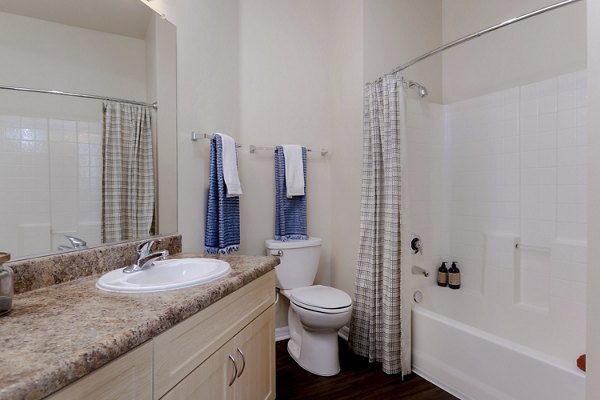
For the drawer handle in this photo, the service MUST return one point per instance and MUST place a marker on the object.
(244, 363)
(235, 374)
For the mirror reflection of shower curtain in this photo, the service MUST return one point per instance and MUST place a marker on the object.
(127, 172)
(380, 327)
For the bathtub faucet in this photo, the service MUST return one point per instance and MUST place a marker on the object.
(76, 243)
(416, 270)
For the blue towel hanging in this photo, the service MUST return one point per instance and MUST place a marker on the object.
(290, 214)
(222, 234)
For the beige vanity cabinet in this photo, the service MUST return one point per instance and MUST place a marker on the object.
(129, 377)
(225, 325)
(242, 369)
(256, 379)
(225, 351)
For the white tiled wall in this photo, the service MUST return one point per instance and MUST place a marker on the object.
(424, 174)
(516, 168)
(482, 177)
(48, 169)
(24, 182)
(89, 145)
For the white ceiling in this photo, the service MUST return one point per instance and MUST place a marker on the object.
(121, 17)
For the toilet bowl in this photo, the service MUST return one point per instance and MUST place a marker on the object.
(320, 312)
(316, 313)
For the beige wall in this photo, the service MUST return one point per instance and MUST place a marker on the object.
(529, 51)
(346, 72)
(372, 38)
(161, 64)
(310, 92)
(285, 97)
(208, 95)
(593, 294)
(398, 31)
(269, 72)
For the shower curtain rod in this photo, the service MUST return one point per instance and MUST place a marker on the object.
(85, 96)
(483, 32)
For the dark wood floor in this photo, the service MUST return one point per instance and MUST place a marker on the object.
(358, 380)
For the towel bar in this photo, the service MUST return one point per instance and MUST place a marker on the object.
(253, 149)
(198, 135)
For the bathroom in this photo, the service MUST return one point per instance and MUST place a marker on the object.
(270, 72)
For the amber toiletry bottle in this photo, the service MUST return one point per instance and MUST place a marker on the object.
(442, 277)
(454, 276)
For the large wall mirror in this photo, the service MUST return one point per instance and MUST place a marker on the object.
(101, 170)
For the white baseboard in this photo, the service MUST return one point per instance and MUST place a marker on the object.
(282, 333)
(344, 332)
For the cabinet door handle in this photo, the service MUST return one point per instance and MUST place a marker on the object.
(244, 363)
(235, 373)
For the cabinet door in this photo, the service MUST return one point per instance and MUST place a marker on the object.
(181, 349)
(256, 379)
(209, 381)
(252, 350)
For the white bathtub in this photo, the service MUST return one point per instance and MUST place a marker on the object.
(474, 364)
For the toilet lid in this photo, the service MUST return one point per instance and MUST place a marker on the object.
(324, 297)
(292, 244)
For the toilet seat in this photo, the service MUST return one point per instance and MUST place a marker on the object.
(323, 310)
(322, 299)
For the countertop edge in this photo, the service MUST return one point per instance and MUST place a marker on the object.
(107, 349)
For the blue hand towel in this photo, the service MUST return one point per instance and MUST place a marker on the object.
(223, 215)
(290, 213)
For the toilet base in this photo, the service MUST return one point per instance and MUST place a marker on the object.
(313, 340)
(318, 353)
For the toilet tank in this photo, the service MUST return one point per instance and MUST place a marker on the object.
(299, 261)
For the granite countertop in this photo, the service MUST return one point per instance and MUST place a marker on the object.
(58, 334)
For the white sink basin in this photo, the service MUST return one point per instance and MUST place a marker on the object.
(164, 275)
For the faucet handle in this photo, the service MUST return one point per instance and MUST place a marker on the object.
(145, 248)
(76, 242)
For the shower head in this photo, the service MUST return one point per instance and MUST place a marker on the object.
(422, 90)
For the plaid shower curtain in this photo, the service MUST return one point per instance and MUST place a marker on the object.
(127, 172)
(380, 325)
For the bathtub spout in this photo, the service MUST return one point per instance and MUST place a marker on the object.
(416, 270)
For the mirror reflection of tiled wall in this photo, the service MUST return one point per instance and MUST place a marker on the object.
(49, 168)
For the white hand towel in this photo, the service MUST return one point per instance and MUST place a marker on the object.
(294, 170)
(230, 171)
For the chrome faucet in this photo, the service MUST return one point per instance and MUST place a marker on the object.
(146, 257)
(76, 243)
(416, 270)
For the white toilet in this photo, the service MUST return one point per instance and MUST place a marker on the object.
(316, 312)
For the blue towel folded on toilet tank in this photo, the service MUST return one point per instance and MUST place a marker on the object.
(290, 213)
(222, 234)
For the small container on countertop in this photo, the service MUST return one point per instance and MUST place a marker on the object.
(6, 284)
